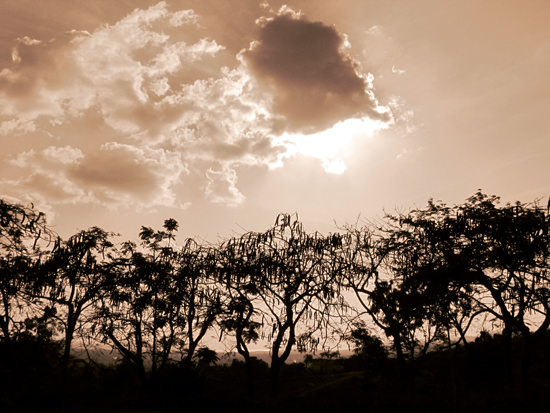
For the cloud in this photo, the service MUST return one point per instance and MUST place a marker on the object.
(396, 70)
(120, 69)
(157, 106)
(47, 177)
(404, 119)
(409, 152)
(17, 126)
(35, 64)
(221, 187)
(117, 175)
(375, 31)
(43, 160)
(135, 75)
(132, 63)
(315, 83)
(226, 120)
(124, 173)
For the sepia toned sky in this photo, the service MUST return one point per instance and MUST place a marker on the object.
(222, 114)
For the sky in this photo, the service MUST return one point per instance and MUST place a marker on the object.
(223, 114)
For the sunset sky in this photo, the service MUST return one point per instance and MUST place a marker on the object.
(222, 114)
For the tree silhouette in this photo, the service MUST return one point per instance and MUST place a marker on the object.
(206, 356)
(237, 266)
(139, 308)
(440, 278)
(162, 299)
(73, 277)
(392, 275)
(506, 248)
(480, 258)
(368, 349)
(198, 294)
(22, 229)
(296, 278)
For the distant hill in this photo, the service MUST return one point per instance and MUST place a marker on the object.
(103, 354)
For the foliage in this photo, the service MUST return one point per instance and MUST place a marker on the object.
(22, 230)
(297, 279)
(368, 349)
(136, 313)
(72, 280)
(422, 278)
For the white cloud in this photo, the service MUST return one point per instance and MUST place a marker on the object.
(396, 70)
(375, 31)
(409, 152)
(42, 161)
(334, 166)
(160, 87)
(17, 126)
(27, 41)
(112, 68)
(183, 17)
(404, 123)
(15, 57)
(122, 62)
(221, 187)
(47, 177)
(79, 32)
(130, 72)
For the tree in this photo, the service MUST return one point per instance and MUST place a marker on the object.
(74, 276)
(368, 349)
(206, 356)
(392, 275)
(161, 300)
(295, 276)
(507, 250)
(480, 258)
(237, 267)
(22, 230)
(199, 295)
(139, 308)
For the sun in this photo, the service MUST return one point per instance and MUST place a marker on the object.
(328, 146)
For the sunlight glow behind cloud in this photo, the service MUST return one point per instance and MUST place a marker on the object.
(329, 144)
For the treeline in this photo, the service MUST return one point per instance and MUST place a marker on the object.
(422, 278)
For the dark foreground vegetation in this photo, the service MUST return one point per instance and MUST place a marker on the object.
(423, 281)
(449, 381)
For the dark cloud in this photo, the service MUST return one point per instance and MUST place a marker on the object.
(114, 169)
(116, 175)
(315, 83)
(125, 172)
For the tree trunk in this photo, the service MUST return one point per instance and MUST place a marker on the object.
(66, 357)
(402, 364)
(69, 334)
(274, 377)
(468, 363)
(526, 363)
(243, 351)
(507, 336)
(135, 358)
